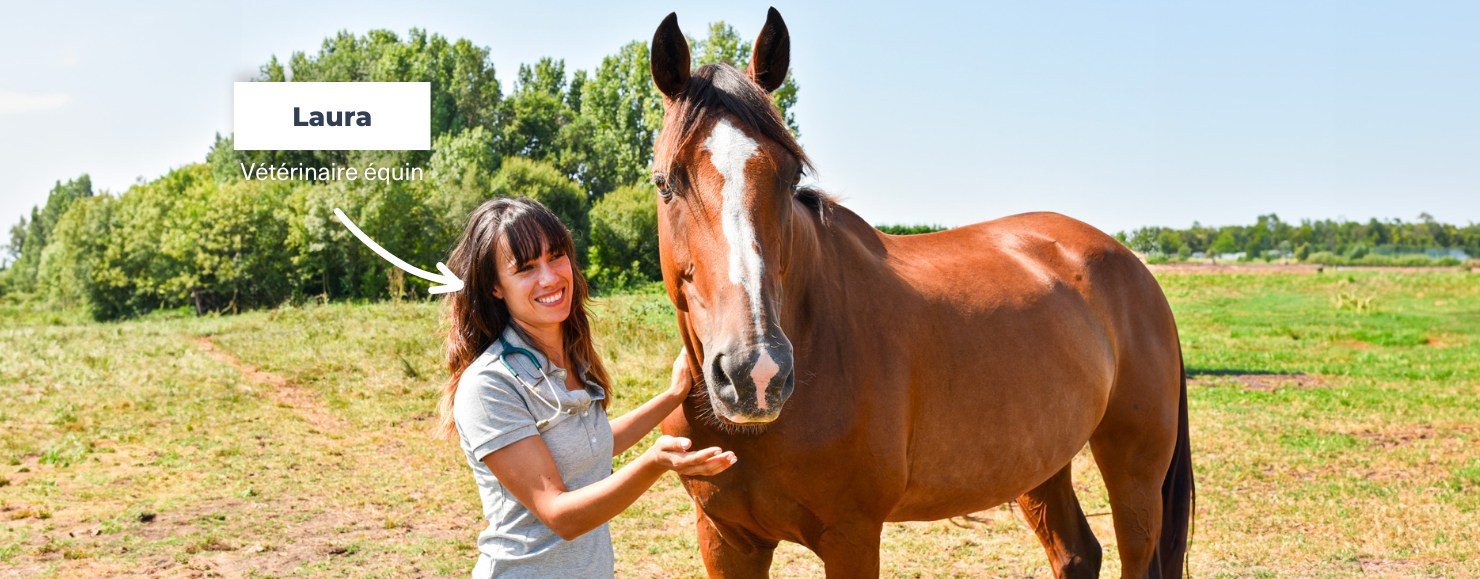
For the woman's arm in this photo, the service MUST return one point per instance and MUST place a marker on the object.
(628, 429)
(529, 472)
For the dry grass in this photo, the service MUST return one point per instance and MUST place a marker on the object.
(1328, 441)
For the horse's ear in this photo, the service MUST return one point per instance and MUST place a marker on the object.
(772, 54)
(670, 58)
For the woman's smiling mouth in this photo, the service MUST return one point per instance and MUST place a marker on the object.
(552, 298)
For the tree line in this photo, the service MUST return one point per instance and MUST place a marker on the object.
(202, 236)
(1329, 242)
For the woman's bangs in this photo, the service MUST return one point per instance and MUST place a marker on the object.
(531, 233)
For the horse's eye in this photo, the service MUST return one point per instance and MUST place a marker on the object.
(661, 181)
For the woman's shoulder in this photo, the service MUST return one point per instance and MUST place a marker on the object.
(489, 407)
(487, 370)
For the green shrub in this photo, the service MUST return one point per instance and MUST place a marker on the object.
(624, 238)
(909, 229)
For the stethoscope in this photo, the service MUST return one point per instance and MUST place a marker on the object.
(504, 357)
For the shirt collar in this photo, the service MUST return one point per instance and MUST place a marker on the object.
(517, 338)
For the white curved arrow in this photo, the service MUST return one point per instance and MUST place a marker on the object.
(450, 282)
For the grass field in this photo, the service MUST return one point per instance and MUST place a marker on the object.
(1335, 433)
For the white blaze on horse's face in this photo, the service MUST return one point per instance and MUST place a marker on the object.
(729, 150)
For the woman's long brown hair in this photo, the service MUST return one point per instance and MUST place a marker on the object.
(476, 318)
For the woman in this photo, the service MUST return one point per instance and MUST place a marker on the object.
(528, 397)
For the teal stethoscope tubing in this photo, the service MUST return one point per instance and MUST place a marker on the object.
(510, 349)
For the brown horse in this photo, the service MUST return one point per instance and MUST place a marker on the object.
(921, 377)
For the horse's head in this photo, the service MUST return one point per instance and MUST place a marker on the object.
(726, 169)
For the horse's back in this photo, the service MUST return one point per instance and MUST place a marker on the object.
(1020, 259)
(1043, 243)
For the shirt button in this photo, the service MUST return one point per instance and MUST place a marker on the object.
(593, 441)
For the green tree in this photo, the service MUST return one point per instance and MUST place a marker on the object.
(465, 91)
(224, 159)
(74, 266)
(460, 177)
(131, 273)
(533, 116)
(1224, 243)
(22, 273)
(225, 246)
(1168, 242)
(319, 247)
(17, 241)
(611, 144)
(546, 76)
(624, 238)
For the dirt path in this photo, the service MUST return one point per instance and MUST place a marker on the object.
(279, 389)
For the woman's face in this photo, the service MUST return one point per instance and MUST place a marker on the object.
(538, 292)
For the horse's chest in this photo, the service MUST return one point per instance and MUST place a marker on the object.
(779, 500)
(768, 508)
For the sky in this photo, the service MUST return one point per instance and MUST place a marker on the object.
(1121, 114)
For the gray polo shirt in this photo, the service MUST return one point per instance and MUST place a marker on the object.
(493, 409)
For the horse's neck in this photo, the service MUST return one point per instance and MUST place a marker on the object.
(834, 260)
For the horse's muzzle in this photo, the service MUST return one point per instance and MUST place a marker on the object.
(748, 385)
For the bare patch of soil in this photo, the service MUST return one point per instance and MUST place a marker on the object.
(235, 550)
(1376, 567)
(1398, 437)
(1261, 382)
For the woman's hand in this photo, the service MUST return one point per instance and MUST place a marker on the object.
(682, 380)
(673, 454)
(527, 469)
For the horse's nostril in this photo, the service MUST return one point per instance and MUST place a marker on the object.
(718, 369)
(789, 384)
(723, 385)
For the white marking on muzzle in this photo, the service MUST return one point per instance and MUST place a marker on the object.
(729, 150)
(765, 369)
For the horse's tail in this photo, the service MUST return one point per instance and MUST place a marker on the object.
(1178, 496)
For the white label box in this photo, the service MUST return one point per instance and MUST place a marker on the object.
(332, 116)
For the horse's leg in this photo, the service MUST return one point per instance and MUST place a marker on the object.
(732, 557)
(1053, 512)
(1133, 448)
(849, 550)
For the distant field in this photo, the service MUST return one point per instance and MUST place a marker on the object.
(1335, 431)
